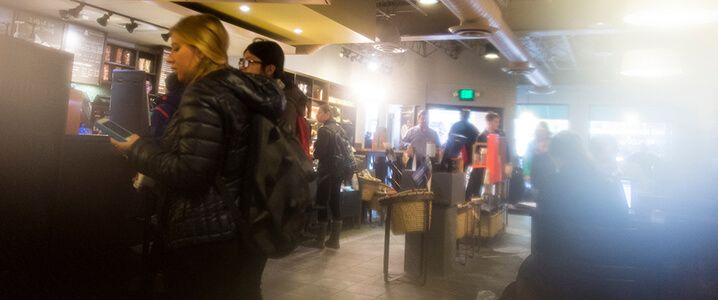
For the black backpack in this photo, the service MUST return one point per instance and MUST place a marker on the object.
(344, 162)
(278, 188)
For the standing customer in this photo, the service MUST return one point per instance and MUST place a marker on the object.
(266, 58)
(468, 130)
(325, 150)
(163, 112)
(419, 138)
(476, 179)
(539, 164)
(200, 161)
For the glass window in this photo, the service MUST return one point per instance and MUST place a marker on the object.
(441, 120)
(528, 116)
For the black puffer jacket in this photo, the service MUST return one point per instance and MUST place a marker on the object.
(203, 153)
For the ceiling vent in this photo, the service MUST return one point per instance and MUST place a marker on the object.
(518, 68)
(479, 28)
(388, 38)
(542, 90)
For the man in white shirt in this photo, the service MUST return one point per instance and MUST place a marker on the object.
(421, 139)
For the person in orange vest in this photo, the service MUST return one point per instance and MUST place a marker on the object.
(476, 179)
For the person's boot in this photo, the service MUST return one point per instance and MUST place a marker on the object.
(321, 236)
(333, 241)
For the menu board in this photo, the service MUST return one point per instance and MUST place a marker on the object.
(5, 21)
(165, 71)
(38, 29)
(87, 45)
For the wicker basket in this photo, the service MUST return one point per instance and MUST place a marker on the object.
(463, 221)
(368, 186)
(492, 223)
(408, 210)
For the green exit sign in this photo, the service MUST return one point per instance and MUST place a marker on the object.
(466, 95)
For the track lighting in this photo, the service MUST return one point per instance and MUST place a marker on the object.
(66, 14)
(131, 26)
(75, 12)
(103, 20)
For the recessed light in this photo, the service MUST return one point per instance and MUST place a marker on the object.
(491, 56)
(298, 30)
(428, 2)
(244, 8)
(668, 18)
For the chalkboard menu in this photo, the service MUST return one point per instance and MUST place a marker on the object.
(5, 21)
(165, 71)
(38, 29)
(87, 45)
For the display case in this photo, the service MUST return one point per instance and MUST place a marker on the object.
(119, 57)
(320, 92)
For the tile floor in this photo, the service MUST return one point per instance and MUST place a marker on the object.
(355, 271)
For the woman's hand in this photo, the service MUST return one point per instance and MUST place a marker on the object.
(125, 146)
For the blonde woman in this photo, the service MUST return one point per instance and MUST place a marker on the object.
(199, 160)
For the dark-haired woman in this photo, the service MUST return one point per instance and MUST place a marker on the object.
(266, 58)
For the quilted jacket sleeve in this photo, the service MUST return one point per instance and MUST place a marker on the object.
(193, 159)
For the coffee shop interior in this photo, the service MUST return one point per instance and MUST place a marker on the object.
(626, 83)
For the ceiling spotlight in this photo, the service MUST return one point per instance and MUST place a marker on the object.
(75, 12)
(131, 26)
(244, 8)
(428, 2)
(490, 53)
(298, 30)
(491, 56)
(165, 36)
(103, 20)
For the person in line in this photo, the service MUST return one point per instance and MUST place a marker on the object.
(419, 138)
(469, 131)
(200, 161)
(266, 58)
(163, 112)
(579, 197)
(476, 178)
(538, 164)
(329, 182)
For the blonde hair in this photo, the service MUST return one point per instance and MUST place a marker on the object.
(206, 34)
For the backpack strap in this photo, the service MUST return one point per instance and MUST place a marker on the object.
(162, 111)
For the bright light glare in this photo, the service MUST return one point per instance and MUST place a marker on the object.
(632, 119)
(428, 2)
(650, 63)
(527, 115)
(373, 66)
(491, 56)
(244, 8)
(298, 30)
(674, 17)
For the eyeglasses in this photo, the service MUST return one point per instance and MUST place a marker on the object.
(245, 62)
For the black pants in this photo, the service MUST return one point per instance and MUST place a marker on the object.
(328, 197)
(223, 270)
(476, 180)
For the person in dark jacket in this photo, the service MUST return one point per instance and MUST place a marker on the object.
(539, 165)
(162, 113)
(576, 202)
(266, 58)
(200, 161)
(468, 130)
(329, 182)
